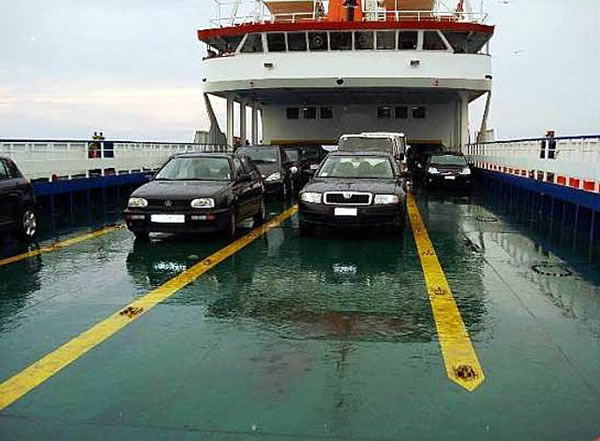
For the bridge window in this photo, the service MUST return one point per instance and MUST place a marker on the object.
(433, 42)
(309, 112)
(292, 113)
(252, 44)
(418, 112)
(297, 41)
(364, 40)
(407, 40)
(466, 42)
(276, 42)
(318, 41)
(384, 112)
(401, 112)
(326, 112)
(341, 41)
(386, 40)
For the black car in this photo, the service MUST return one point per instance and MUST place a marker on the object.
(354, 189)
(18, 205)
(282, 176)
(447, 170)
(196, 193)
(311, 155)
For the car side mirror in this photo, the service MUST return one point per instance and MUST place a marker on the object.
(244, 177)
(148, 177)
(309, 172)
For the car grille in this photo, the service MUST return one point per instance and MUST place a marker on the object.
(160, 204)
(348, 198)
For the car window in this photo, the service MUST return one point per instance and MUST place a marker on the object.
(448, 160)
(13, 171)
(249, 168)
(196, 169)
(4, 175)
(357, 167)
(237, 167)
(355, 144)
(311, 154)
(293, 154)
(260, 155)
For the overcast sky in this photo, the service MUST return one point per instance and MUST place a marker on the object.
(132, 68)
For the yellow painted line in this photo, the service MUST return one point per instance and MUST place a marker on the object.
(460, 359)
(14, 388)
(59, 245)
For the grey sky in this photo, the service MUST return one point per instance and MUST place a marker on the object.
(133, 67)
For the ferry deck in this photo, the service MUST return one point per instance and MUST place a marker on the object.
(277, 336)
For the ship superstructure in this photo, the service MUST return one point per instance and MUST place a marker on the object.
(314, 70)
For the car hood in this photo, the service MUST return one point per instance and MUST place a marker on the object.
(180, 190)
(268, 169)
(363, 185)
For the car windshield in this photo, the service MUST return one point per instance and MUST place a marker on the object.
(196, 169)
(357, 167)
(260, 155)
(448, 160)
(292, 154)
(365, 144)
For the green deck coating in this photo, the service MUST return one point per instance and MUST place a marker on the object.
(327, 337)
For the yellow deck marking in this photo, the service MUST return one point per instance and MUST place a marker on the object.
(14, 388)
(462, 364)
(59, 245)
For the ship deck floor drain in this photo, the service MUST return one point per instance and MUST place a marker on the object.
(552, 269)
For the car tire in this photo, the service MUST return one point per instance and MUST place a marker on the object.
(141, 236)
(28, 223)
(232, 226)
(306, 229)
(261, 216)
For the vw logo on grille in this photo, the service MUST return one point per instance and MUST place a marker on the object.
(347, 195)
(168, 204)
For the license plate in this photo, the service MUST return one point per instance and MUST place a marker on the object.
(345, 212)
(450, 178)
(168, 218)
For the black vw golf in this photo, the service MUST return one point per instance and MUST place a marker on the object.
(195, 193)
(354, 189)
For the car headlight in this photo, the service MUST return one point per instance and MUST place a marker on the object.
(274, 177)
(466, 171)
(385, 199)
(137, 203)
(311, 197)
(203, 203)
(432, 171)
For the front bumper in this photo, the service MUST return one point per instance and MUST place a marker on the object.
(367, 216)
(196, 221)
(449, 181)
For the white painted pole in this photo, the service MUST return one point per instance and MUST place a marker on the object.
(230, 116)
(243, 129)
(254, 123)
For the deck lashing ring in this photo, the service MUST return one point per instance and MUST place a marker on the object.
(552, 270)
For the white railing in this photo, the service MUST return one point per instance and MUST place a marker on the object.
(235, 13)
(545, 159)
(49, 160)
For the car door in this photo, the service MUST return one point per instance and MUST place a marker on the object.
(256, 185)
(8, 195)
(289, 169)
(242, 189)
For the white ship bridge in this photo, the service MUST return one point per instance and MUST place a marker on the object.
(311, 71)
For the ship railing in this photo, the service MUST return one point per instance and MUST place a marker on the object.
(60, 160)
(572, 161)
(235, 13)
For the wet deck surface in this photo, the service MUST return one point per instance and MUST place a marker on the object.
(327, 337)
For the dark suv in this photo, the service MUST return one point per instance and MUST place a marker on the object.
(18, 206)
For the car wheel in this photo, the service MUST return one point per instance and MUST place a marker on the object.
(306, 229)
(141, 236)
(260, 217)
(232, 227)
(29, 223)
